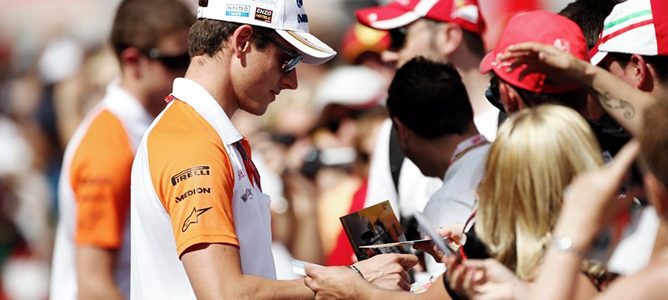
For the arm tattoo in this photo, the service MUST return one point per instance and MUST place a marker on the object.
(618, 104)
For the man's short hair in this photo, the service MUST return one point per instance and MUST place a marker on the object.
(430, 99)
(143, 23)
(589, 15)
(658, 62)
(575, 99)
(474, 43)
(654, 140)
(207, 36)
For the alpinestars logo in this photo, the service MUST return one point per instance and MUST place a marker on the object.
(193, 218)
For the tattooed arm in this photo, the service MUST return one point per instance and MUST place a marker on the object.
(622, 101)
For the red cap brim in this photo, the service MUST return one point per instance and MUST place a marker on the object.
(385, 17)
(486, 63)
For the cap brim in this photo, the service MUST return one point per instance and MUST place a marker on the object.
(315, 51)
(385, 17)
(598, 57)
(486, 64)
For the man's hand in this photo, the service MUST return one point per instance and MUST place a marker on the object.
(493, 281)
(557, 64)
(334, 282)
(388, 271)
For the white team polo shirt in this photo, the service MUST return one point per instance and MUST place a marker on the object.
(192, 185)
(94, 189)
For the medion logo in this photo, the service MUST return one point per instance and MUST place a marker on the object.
(187, 173)
(194, 191)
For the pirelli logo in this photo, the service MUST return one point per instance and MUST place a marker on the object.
(191, 172)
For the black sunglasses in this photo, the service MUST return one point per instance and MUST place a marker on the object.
(289, 64)
(172, 62)
(398, 38)
(492, 93)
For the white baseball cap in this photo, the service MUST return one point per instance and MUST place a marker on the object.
(634, 27)
(287, 17)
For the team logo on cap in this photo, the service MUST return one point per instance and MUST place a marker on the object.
(237, 10)
(263, 15)
(562, 44)
(300, 3)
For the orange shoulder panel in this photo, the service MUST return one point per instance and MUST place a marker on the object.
(100, 179)
(193, 177)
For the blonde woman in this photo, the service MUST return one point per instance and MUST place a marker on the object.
(537, 152)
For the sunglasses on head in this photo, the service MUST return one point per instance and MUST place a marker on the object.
(398, 38)
(289, 64)
(172, 62)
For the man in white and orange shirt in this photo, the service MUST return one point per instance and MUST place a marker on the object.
(91, 258)
(201, 226)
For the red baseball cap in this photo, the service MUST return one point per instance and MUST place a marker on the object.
(359, 39)
(465, 13)
(542, 27)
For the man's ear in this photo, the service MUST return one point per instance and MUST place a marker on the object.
(403, 132)
(241, 39)
(453, 38)
(512, 102)
(637, 67)
(657, 194)
(129, 59)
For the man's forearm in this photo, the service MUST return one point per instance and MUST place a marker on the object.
(276, 289)
(95, 273)
(622, 101)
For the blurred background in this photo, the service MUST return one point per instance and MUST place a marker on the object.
(55, 65)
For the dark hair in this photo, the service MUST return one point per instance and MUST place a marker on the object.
(589, 15)
(207, 36)
(143, 23)
(430, 99)
(576, 99)
(474, 43)
(658, 62)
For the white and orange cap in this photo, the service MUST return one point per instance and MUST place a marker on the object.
(287, 17)
(465, 13)
(634, 27)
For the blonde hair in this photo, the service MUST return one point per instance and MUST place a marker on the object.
(536, 154)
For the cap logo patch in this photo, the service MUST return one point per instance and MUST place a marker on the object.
(237, 10)
(562, 44)
(302, 18)
(263, 15)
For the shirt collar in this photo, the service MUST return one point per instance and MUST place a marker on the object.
(203, 102)
(126, 107)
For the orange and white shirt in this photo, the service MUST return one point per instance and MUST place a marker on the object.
(94, 189)
(193, 182)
